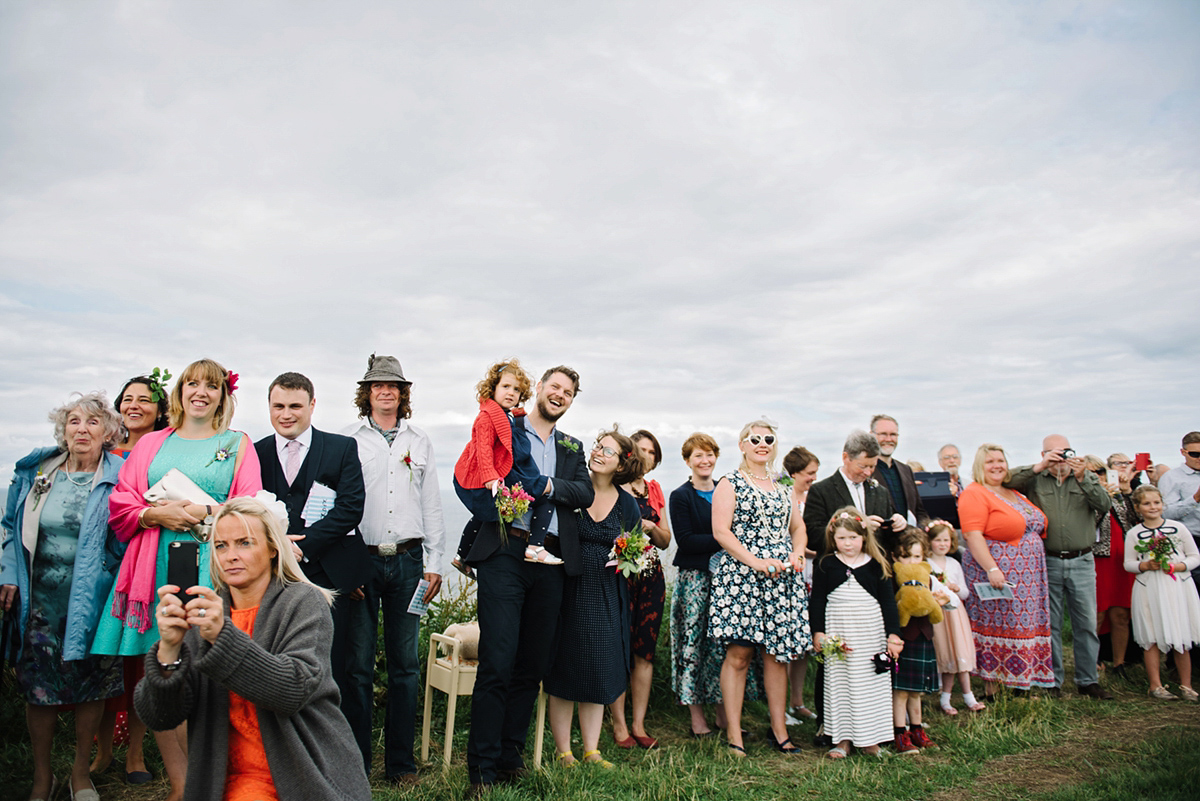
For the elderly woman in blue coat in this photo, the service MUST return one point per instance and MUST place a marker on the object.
(56, 570)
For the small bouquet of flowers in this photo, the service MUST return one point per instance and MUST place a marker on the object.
(511, 504)
(631, 553)
(833, 646)
(1159, 548)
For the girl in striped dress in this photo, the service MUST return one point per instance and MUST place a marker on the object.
(852, 598)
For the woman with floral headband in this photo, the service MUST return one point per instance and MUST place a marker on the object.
(223, 464)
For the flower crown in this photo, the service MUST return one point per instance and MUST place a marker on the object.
(929, 527)
(848, 516)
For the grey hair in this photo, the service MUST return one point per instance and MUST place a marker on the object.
(879, 417)
(93, 404)
(860, 444)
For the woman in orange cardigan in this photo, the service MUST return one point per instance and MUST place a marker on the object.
(1004, 532)
(498, 453)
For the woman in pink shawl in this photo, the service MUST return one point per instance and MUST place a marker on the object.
(220, 462)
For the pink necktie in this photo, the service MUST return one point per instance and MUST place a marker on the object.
(293, 461)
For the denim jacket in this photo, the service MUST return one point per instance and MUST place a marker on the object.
(96, 559)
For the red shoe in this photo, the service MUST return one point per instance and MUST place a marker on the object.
(904, 744)
(919, 738)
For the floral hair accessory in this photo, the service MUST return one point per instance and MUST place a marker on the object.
(848, 516)
(158, 383)
(231, 382)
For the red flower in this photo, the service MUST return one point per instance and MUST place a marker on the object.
(231, 382)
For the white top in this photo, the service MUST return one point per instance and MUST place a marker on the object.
(857, 492)
(403, 499)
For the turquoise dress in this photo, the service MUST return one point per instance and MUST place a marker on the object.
(196, 459)
(43, 676)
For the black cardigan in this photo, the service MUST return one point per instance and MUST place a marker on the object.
(691, 521)
(829, 573)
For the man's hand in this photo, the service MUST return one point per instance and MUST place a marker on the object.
(299, 554)
(898, 522)
(435, 584)
(1077, 467)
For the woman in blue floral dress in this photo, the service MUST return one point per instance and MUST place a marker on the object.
(759, 600)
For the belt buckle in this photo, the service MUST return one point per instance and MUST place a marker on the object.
(388, 549)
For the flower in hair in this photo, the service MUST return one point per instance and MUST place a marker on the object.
(276, 507)
(231, 382)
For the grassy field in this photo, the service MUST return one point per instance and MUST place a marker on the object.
(1069, 749)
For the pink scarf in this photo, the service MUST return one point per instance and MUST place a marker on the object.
(135, 594)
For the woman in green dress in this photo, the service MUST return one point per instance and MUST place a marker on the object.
(54, 571)
(220, 462)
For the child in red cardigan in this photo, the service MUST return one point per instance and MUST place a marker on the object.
(498, 453)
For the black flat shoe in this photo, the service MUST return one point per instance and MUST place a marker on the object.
(786, 747)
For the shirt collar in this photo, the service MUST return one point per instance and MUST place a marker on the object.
(305, 440)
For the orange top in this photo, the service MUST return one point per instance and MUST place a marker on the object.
(980, 509)
(247, 775)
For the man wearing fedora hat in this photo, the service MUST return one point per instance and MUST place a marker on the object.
(403, 529)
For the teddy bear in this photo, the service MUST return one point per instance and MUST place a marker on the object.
(914, 598)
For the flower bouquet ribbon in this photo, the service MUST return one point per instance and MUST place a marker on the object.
(1159, 548)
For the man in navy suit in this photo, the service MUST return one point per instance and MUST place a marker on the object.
(519, 601)
(852, 485)
(330, 550)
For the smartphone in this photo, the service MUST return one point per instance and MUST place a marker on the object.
(183, 564)
(1111, 478)
(1141, 461)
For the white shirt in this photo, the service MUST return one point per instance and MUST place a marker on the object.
(403, 500)
(857, 491)
(305, 440)
(1178, 488)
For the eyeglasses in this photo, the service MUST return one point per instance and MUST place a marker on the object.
(1122, 464)
(755, 439)
(1193, 454)
(604, 450)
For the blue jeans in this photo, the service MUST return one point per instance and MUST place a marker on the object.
(391, 586)
(1074, 581)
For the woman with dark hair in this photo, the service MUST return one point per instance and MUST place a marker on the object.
(591, 666)
(800, 465)
(142, 404)
(221, 463)
(759, 602)
(1114, 586)
(647, 596)
(57, 544)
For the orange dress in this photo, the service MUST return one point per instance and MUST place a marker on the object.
(247, 776)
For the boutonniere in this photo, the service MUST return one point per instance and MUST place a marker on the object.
(408, 462)
(41, 485)
(573, 447)
(873, 484)
(223, 453)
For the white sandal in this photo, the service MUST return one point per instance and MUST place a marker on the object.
(538, 554)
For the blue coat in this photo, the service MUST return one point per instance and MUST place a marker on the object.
(96, 559)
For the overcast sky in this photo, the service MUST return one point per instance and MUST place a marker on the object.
(982, 218)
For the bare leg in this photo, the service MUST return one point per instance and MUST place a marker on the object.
(639, 691)
(1150, 655)
(87, 723)
(104, 741)
(560, 723)
(797, 672)
(914, 709)
(40, 720)
(174, 759)
(620, 726)
(135, 757)
(948, 683)
(733, 689)
(699, 722)
(719, 716)
(591, 720)
(1183, 665)
(1118, 627)
(899, 708)
(964, 681)
(775, 676)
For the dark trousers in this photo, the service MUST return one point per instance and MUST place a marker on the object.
(518, 614)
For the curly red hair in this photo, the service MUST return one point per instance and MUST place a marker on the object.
(486, 388)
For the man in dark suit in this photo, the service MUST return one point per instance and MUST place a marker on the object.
(519, 601)
(852, 485)
(894, 474)
(330, 550)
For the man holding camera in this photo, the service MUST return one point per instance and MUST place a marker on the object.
(1071, 498)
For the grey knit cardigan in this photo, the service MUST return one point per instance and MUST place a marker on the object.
(285, 672)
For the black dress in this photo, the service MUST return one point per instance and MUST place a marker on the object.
(591, 662)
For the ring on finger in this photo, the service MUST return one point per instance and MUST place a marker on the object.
(201, 612)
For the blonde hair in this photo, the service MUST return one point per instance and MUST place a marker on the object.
(283, 562)
(774, 447)
(203, 370)
(981, 457)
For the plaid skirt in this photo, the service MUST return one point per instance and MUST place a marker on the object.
(916, 669)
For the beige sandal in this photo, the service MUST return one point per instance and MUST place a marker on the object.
(1163, 694)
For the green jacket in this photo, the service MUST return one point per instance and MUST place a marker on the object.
(1071, 507)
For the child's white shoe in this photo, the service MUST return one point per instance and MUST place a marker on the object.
(537, 553)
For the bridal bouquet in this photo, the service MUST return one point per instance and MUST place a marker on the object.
(1159, 548)
(511, 504)
(631, 553)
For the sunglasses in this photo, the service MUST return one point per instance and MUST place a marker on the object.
(755, 439)
(1193, 454)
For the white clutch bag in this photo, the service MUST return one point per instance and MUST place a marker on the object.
(175, 486)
